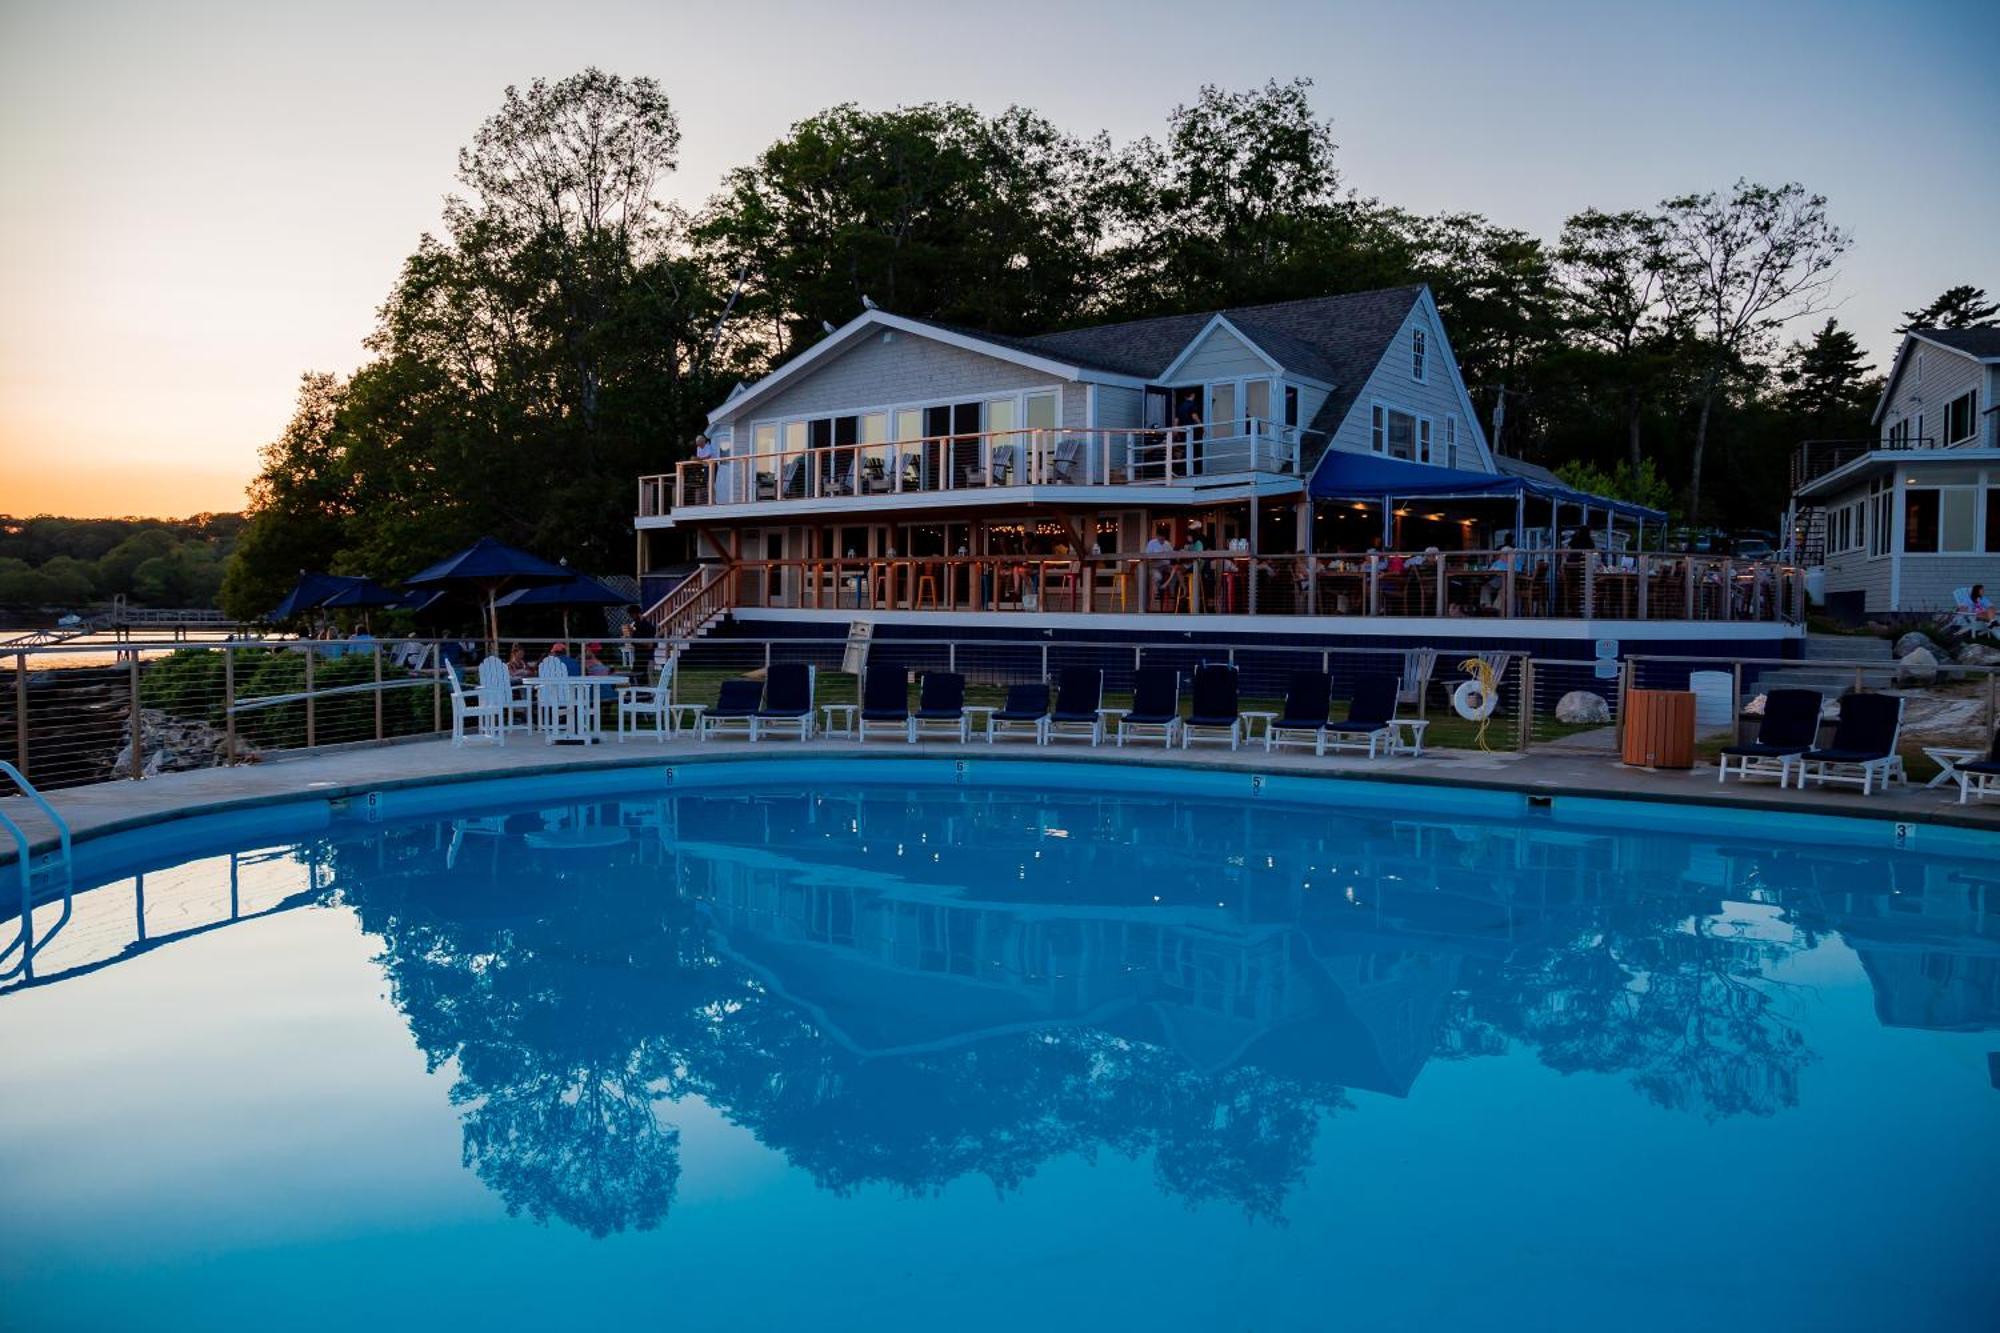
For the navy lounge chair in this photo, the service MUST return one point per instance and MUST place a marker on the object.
(1215, 713)
(1790, 727)
(1368, 719)
(1079, 701)
(735, 704)
(1156, 706)
(1980, 777)
(1308, 700)
(940, 706)
(885, 702)
(1864, 745)
(1027, 706)
(788, 701)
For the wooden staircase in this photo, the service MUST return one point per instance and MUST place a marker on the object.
(691, 610)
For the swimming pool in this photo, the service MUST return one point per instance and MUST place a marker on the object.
(1003, 1045)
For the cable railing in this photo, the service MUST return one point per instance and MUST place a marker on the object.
(1493, 584)
(978, 461)
(208, 705)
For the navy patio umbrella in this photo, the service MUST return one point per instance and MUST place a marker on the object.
(365, 595)
(577, 590)
(310, 593)
(489, 565)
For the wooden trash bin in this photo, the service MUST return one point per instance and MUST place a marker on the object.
(1659, 728)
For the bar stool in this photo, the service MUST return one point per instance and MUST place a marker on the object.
(927, 589)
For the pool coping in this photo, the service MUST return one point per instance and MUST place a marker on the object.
(91, 810)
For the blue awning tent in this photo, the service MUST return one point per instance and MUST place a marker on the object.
(1350, 476)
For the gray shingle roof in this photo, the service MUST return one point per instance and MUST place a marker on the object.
(1331, 338)
(1982, 343)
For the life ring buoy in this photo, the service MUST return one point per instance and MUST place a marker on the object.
(1473, 701)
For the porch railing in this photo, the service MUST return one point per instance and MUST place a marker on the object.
(978, 462)
(1571, 585)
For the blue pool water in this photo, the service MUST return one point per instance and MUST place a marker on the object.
(895, 1048)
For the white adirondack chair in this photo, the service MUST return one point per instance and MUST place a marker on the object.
(647, 701)
(551, 706)
(486, 714)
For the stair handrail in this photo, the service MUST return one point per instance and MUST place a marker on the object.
(694, 600)
(25, 941)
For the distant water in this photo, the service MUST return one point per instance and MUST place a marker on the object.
(92, 650)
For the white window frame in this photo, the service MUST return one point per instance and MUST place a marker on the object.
(1971, 398)
(1378, 434)
(1419, 355)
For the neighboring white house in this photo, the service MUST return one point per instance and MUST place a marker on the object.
(1916, 516)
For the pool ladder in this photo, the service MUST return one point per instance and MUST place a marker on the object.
(59, 864)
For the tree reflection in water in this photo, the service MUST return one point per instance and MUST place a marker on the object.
(907, 989)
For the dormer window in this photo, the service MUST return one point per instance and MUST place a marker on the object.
(1418, 351)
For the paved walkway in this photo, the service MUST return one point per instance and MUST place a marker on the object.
(110, 806)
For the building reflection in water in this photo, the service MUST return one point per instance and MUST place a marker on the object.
(906, 988)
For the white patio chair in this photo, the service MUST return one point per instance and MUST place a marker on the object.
(1418, 664)
(648, 701)
(487, 715)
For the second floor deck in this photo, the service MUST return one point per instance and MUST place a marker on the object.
(982, 463)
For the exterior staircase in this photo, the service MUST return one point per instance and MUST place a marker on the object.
(694, 608)
(1829, 679)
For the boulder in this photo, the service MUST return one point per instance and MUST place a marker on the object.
(1979, 654)
(1912, 642)
(1581, 706)
(1917, 667)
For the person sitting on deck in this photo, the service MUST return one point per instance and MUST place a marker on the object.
(591, 665)
(517, 663)
(559, 652)
(1981, 605)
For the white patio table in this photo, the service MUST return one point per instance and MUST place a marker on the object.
(571, 707)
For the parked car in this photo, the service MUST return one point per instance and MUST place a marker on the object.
(1753, 548)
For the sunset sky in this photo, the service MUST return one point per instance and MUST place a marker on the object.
(199, 202)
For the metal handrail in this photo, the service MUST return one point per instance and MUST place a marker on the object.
(25, 941)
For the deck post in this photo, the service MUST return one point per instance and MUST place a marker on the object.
(377, 654)
(138, 738)
(21, 711)
(312, 715)
(228, 706)
(1256, 549)
(1643, 566)
(1735, 702)
(1527, 703)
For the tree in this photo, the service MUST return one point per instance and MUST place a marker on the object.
(1242, 204)
(297, 504)
(1740, 266)
(1962, 307)
(1612, 276)
(553, 342)
(932, 211)
(1494, 288)
(1827, 384)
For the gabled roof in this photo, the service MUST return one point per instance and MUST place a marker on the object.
(1336, 339)
(1017, 350)
(1982, 345)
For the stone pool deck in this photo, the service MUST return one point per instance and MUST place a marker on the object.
(112, 806)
